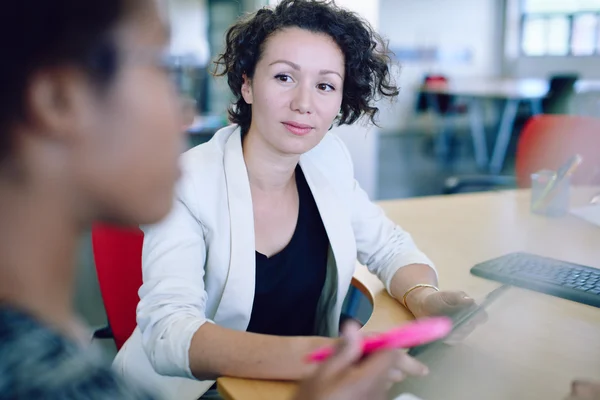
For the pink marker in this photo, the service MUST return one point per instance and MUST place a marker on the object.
(413, 334)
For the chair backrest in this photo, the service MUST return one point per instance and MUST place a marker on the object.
(561, 90)
(118, 258)
(443, 100)
(547, 141)
(564, 81)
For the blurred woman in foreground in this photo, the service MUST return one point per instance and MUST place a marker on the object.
(89, 126)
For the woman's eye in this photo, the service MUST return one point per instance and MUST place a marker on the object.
(325, 87)
(283, 78)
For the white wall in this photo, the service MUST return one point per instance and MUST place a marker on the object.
(189, 19)
(449, 25)
(543, 67)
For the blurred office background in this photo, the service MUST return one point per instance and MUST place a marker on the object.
(469, 71)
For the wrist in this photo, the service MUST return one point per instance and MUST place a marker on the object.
(414, 300)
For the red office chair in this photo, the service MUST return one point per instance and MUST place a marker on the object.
(546, 142)
(445, 103)
(118, 257)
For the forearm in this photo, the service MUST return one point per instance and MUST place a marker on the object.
(216, 351)
(409, 276)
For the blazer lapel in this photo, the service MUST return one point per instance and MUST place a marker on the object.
(235, 308)
(339, 231)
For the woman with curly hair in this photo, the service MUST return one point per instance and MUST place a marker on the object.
(249, 271)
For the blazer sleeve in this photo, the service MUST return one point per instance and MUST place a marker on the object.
(173, 298)
(383, 246)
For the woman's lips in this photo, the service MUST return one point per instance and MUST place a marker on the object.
(297, 128)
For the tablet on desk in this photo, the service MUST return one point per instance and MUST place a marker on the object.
(530, 347)
(463, 318)
(589, 213)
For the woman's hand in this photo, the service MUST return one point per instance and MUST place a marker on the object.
(584, 390)
(429, 303)
(348, 376)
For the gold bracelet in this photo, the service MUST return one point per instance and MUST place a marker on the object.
(420, 285)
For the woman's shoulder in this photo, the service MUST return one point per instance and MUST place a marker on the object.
(204, 164)
(208, 153)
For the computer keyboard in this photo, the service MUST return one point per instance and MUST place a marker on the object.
(546, 275)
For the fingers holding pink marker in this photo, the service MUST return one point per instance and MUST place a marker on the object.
(413, 334)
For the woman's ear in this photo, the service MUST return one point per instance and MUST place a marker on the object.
(247, 90)
(56, 102)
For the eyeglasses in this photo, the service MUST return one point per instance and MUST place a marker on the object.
(176, 67)
(161, 57)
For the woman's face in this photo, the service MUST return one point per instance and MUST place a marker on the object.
(296, 91)
(127, 158)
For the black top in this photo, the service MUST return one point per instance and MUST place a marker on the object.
(289, 284)
(36, 362)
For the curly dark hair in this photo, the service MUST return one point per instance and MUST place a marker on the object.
(366, 54)
(39, 34)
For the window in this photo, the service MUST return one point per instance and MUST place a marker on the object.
(560, 27)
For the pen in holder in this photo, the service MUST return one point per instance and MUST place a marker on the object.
(550, 189)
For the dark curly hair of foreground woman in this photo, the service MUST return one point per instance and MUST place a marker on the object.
(367, 71)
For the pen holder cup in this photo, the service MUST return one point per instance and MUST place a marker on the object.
(548, 197)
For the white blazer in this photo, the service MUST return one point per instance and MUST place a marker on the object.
(199, 263)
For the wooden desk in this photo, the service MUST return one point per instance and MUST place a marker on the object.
(462, 230)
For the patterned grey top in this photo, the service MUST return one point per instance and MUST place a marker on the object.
(38, 363)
